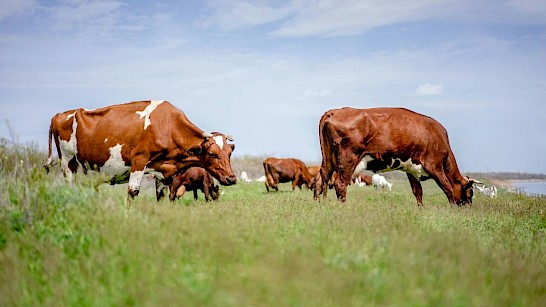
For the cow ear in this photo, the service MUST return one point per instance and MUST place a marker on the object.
(232, 146)
(195, 151)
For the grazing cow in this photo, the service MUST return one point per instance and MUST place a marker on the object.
(193, 179)
(128, 140)
(286, 170)
(389, 139)
(488, 191)
(379, 181)
(362, 179)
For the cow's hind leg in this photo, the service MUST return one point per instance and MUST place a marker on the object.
(416, 188)
(195, 194)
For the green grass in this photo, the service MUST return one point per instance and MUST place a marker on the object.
(69, 244)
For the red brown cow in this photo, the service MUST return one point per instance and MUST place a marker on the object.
(128, 140)
(286, 170)
(193, 179)
(389, 139)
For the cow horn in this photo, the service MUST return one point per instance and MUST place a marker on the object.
(207, 135)
(229, 137)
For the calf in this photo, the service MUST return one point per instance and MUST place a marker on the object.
(193, 179)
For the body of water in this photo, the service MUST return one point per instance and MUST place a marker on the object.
(532, 187)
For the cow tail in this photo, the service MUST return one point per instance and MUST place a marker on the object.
(325, 148)
(267, 173)
(49, 153)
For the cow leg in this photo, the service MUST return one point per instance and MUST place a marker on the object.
(135, 179)
(295, 183)
(206, 192)
(70, 167)
(318, 185)
(445, 185)
(175, 184)
(416, 188)
(159, 189)
(266, 185)
(195, 194)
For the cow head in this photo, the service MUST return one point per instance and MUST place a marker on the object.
(214, 154)
(467, 191)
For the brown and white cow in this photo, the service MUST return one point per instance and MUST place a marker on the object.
(286, 170)
(389, 139)
(194, 179)
(128, 140)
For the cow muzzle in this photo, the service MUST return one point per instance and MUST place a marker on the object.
(231, 180)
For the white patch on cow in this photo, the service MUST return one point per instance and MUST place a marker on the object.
(135, 179)
(219, 140)
(408, 166)
(115, 164)
(69, 149)
(147, 111)
(70, 116)
(362, 165)
(105, 140)
(415, 169)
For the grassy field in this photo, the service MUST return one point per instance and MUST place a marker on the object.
(69, 244)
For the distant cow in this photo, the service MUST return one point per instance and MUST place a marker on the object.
(362, 179)
(379, 181)
(128, 140)
(488, 191)
(194, 179)
(285, 170)
(261, 179)
(389, 139)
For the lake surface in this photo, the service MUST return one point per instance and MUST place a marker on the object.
(536, 187)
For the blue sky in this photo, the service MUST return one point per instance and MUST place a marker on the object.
(265, 71)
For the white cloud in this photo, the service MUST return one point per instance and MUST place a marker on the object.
(80, 13)
(350, 17)
(232, 15)
(299, 18)
(429, 90)
(10, 8)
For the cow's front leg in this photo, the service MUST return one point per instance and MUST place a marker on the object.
(138, 167)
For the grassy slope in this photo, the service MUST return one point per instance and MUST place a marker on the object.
(72, 245)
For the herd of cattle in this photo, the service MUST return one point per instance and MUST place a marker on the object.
(127, 141)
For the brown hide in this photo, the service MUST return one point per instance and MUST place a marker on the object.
(385, 135)
(194, 179)
(285, 170)
(313, 170)
(153, 135)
